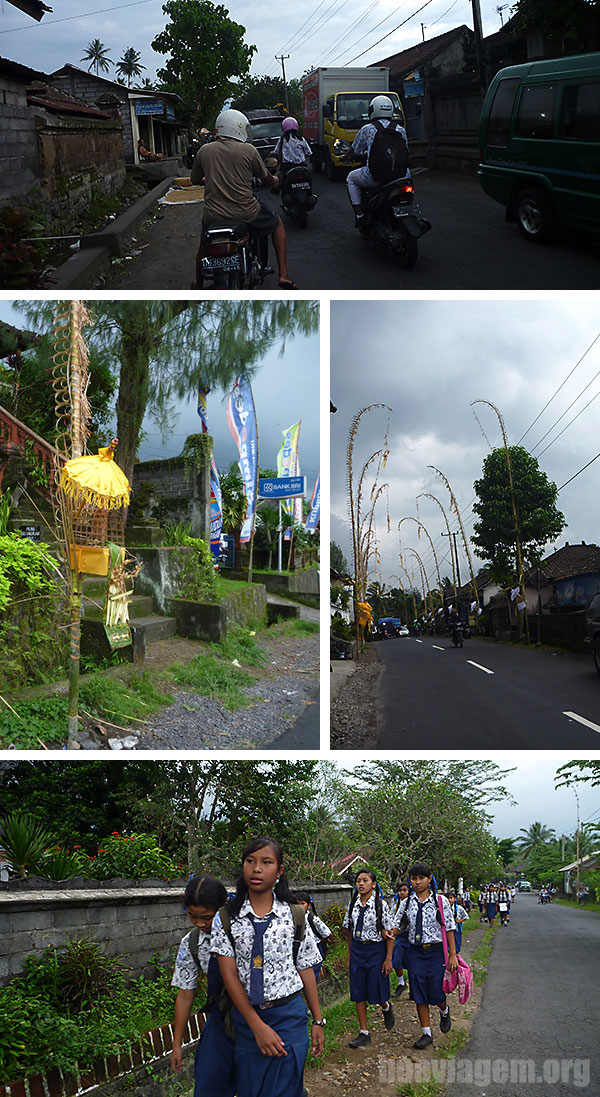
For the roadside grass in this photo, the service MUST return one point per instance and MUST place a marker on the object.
(209, 676)
(241, 645)
(574, 905)
(480, 956)
(341, 1017)
(122, 701)
(34, 723)
(300, 627)
(224, 586)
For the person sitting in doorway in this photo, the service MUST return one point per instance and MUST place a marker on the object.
(145, 154)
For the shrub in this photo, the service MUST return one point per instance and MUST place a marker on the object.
(135, 856)
(24, 840)
(75, 975)
(196, 578)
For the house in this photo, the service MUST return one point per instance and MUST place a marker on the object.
(143, 113)
(34, 8)
(350, 863)
(572, 871)
(19, 161)
(487, 589)
(574, 572)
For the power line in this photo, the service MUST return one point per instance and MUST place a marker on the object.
(82, 15)
(340, 37)
(570, 423)
(371, 29)
(392, 31)
(580, 471)
(558, 390)
(586, 387)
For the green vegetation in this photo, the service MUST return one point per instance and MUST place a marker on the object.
(212, 678)
(241, 645)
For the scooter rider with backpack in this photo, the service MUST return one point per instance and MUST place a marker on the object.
(384, 144)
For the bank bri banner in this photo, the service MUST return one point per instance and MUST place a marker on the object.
(216, 508)
(288, 464)
(315, 507)
(242, 424)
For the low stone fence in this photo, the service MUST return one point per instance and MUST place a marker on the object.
(210, 620)
(301, 586)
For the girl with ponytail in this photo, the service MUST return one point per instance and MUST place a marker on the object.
(367, 922)
(420, 917)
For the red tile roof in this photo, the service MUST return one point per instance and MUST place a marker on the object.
(44, 95)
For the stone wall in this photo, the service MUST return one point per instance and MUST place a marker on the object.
(179, 494)
(79, 158)
(130, 917)
(19, 167)
(210, 620)
(99, 93)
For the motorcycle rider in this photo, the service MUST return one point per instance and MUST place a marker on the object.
(291, 149)
(454, 622)
(380, 107)
(227, 166)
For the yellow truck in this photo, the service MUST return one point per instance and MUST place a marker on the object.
(335, 105)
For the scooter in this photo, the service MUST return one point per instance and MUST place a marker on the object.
(393, 220)
(457, 634)
(297, 196)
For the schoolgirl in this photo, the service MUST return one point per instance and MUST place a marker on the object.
(460, 916)
(420, 916)
(291, 149)
(314, 925)
(214, 1066)
(266, 964)
(466, 900)
(490, 898)
(481, 904)
(370, 959)
(503, 904)
(399, 954)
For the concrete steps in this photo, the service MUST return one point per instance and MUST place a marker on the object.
(147, 627)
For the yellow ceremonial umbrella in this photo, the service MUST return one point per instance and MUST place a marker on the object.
(94, 481)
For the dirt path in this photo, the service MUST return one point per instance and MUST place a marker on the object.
(355, 710)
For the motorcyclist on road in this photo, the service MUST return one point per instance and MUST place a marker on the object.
(227, 166)
(380, 107)
(454, 622)
(291, 149)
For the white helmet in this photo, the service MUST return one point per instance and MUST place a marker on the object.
(381, 107)
(232, 123)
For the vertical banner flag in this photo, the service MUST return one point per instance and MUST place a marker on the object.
(288, 464)
(315, 506)
(216, 509)
(242, 424)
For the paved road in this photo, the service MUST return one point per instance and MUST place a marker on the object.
(541, 1002)
(469, 247)
(485, 696)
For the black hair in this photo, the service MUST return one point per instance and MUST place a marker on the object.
(204, 891)
(305, 897)
(282, 887)
(378, 899)
(420, 869)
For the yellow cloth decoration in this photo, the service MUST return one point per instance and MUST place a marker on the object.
(365, 615)
(96, 480)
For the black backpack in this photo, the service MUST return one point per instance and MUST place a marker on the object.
(388, 155)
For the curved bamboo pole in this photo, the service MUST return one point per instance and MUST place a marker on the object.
(424, 579)
(461, 527)
(409, 518)
(427, 495)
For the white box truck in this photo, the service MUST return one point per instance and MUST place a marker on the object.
(335, 104)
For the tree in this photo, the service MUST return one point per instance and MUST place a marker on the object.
(97, 55)
(505, 850)
(573, 772)
(533, 836)
(129, 64)
(555, 19)
(206, 50)
(337, 559)
(538, 517)
(255, 92)
(162, 349)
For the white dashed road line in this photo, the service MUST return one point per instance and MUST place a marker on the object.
(479, 667)
(418, 641)
(582, 720)
(437, 647)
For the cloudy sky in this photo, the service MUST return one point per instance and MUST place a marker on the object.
(279, 399)
(313, 32)
(428, 360)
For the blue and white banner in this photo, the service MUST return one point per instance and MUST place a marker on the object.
(315, 507)
(242, 424)
(216, 509)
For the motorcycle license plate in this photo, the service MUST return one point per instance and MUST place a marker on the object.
(221, 262)
(409, 210)
(300, 186)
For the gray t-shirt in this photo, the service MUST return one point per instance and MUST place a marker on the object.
(228, 166)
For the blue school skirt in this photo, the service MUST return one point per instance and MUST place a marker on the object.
(259, 1075)
(214, 1068)
(367, 984)
(490, 910)
(426, 974)
(458, 937)
(400, 953)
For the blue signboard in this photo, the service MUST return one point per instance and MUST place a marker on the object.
(149, 106)
(282, 487)
(170, 112)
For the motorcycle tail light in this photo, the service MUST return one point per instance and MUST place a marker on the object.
(228, 247)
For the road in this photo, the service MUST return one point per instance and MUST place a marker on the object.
(485, 696)
(541, 1004)
(469, 247)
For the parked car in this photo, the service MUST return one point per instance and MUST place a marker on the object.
(266, 129)
(539, 140)
(523, 885)
(592, 630)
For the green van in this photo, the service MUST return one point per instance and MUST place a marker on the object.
(539, 140)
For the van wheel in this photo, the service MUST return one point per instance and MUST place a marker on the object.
(597, 654)
(535, 216)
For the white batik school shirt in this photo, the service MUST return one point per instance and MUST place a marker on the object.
(280, 977)
(460, 913)
(322, 930)
(362, 146)
(185, 976)
(369, 930)
(432, 930)
(293, 151)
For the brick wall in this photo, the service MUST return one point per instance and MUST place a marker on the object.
(78, 158)
(19, 167)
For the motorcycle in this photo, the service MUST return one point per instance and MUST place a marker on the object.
(297, 197)
(229, 257)
(393, 220)
(458, 634)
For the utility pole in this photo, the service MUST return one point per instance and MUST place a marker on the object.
(453, 535)
(477, 29)
(423, 30)
(578, 848)
(283, 58)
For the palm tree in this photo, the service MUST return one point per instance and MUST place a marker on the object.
(534, 835)
(129, 65)
(97, 55)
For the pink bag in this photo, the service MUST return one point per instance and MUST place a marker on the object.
(463, 976)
